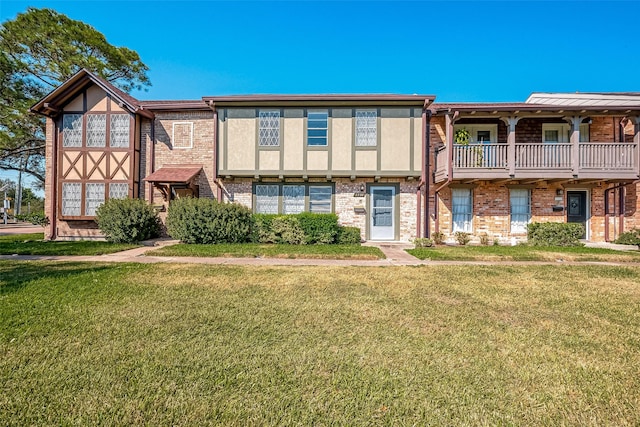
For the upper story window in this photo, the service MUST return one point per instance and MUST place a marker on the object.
(269, 128)
(554, 133)
(119, 131)
(317, 127)
(96, 130)
(182, 135)
(480, 133)
(72, 130)
(366, 128)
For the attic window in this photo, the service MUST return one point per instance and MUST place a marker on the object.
(72, 130)
(182, 135)
(119, 131)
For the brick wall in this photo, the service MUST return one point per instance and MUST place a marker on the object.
(201, 152)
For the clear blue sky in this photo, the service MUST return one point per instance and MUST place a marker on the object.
(459, 51)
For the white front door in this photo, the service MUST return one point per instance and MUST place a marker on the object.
(382, 213)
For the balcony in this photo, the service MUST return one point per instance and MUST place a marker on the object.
(589, 160)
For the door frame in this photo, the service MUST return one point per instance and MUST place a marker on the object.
(587, 202)
(396, 209)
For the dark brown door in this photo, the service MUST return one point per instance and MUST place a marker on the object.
(577, 208)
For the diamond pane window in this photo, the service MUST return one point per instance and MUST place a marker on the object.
(119, 131)
(520, 202)
(267, 199)
(320, 199)
(292, 199)
(269, 128)
(94, 198)
(96, 130)
(71, 198)
(317, 125)
(119, 190)
(462, 207)
(72, 130)
(366, 128)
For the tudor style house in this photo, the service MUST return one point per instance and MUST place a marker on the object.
(397, 166)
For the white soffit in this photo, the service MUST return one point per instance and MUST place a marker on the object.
(586, 99)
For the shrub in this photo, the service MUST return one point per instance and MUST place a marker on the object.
(127, 220)
(348, 236)
(262, 232)
(484, 239)
(423, 242)
(209, 221)
(554, 234)
(631, 237)
(288, 230)
(438, 237)
(318, 228)
(462, 238)
(38, 218)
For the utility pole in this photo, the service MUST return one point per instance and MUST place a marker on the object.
(6, 202)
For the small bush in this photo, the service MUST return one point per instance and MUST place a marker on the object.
(35, 218)
(484, 239)
(288, 230)
(262, 232)
(462, 238)
(423, 242)
(318, 228)
(438, 237)
(554, 234)
(348, 236)
(127, 220)
(631, 237)
(209, 221)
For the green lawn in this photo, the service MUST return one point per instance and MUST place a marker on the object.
(523, 253)
(174, 344)
(271, 251)
(33, 244)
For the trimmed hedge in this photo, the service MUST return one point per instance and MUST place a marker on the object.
(127, 220)
(554, 234)
(348, 236)
(631, 237)
(318, 228)
(209, 221)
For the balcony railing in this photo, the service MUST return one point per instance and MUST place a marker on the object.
(594, 160)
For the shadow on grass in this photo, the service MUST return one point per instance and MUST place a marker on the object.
(16, 275)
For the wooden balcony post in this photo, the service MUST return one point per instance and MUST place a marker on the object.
(575, 121)
(449, 119)
(511, 123)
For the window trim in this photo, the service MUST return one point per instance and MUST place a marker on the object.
(262, 146)
(355, 129)
(173, 136)
(306, 185)
(326, 129)
(471, 212)
(529, 194)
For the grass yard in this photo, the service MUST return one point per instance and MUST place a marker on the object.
(135, 344)
(523, 253)
(33, 244)
(245, 250)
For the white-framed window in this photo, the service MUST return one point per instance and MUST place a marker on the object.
(182, 135)
(72, 130)
(292, 199)
(119, 131)
(520, 207)
(71, 198)
(267, 198)
(462, 209)
(366, 128)
(118, 190)
(554, 133)
(96, 130)
(320, 198)
(480, 133)
(317, 127)
(269, 128)
(94, 198)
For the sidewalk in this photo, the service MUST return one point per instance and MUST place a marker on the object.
(19, 228)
